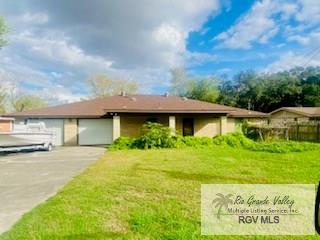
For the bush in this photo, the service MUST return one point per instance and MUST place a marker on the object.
(189, 141)
(239, 140)
(250, 131)
(155, 135)
(123, 143)
(233, 140)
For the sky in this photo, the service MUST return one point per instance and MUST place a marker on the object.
(54, 46)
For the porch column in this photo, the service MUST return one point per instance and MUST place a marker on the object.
(172, 124)
(116, 127)
(223, 125)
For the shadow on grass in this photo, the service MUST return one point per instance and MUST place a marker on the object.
(203, 177)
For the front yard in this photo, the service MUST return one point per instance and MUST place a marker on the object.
(155, 194)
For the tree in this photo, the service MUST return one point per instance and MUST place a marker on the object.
(3, 100)
(204, 89)
(3, 31)
(194, 87)
(310, 83)
(102, 85)
(180, 81)
(27, 102)
(243, 91)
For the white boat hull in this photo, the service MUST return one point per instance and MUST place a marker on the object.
(25, 138)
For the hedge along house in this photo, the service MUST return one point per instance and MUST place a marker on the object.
(101, 121)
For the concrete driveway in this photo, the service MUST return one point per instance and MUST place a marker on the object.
(27, 179)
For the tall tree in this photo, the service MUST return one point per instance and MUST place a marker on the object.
(180, 81)
(267, 92)
(194, 87)
(3, 100)
(204, 89)
(27, 102)
(3, 31)
(102, 85)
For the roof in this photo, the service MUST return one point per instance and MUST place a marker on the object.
(240, 112)
(132, 104)
(305, 111)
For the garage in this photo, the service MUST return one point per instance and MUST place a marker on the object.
(53, 125)
(95, 131)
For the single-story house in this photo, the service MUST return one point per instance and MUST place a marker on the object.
(102, 120)
(286, 115)
(6, 124)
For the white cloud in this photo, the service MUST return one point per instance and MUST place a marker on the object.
(198, 58)
(256, 25)
(61, 43)
(58, 49)
(169, 36)
(309, 12)
(300, 39)
(34, 18)
(59, 95)
(259, 25)
(308, 55)
(291, 60)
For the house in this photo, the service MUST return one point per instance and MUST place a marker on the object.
(286, 115)
(102, 120)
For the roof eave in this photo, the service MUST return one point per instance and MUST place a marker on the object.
(54, 116)
(249, 116)
(164, 111)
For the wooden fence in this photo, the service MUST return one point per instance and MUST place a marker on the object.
(304, 132)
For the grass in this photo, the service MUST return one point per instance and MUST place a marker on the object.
(155, 194)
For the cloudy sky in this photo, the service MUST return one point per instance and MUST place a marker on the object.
(55, 45)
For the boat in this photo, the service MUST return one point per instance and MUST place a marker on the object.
(27, 137)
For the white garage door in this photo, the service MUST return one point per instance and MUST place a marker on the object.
(53, 125)
(95, 131)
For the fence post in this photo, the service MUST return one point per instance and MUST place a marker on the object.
(318, 132)
(297, 137)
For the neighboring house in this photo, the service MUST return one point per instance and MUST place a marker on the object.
(6, 124)
(286, 115)
(102, 120)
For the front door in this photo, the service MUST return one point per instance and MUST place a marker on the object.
(187, 127)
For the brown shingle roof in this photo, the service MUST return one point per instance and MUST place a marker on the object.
(305, 111)
(131, 104)
(240, 112)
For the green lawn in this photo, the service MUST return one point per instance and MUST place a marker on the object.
(155, 194)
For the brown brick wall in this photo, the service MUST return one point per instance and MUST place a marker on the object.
(5, 126)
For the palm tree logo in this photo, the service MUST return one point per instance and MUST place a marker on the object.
(222, 201)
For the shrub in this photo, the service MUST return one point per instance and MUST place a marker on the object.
(239, 140)
(233, 140)
(189, 141)
(250, 131)
(155, 135)
(123, 143)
